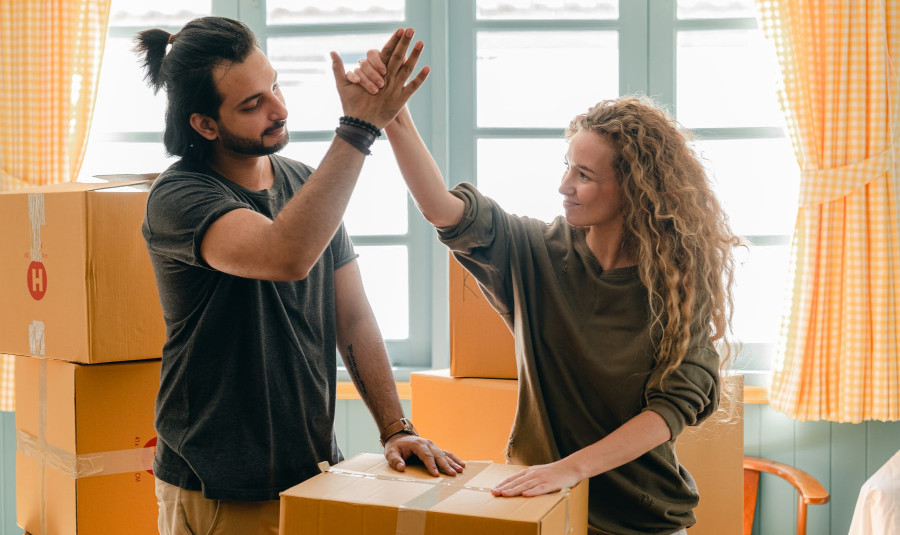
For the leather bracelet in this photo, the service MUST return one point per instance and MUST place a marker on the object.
(365, 125)
(360, 138)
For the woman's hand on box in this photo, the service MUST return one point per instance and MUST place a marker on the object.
(540, 479)
(400, 447)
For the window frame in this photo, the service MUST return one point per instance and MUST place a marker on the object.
(445, 110)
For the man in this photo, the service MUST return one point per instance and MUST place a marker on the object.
(258, 281)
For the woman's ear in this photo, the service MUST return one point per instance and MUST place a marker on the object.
(205, 126)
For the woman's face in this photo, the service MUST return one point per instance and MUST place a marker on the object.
(591, 193)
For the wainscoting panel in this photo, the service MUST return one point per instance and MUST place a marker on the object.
(841, 456)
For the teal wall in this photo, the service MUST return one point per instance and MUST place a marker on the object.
(8, 474)
(841, 456)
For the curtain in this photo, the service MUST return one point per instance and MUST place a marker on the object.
(838, 355)
(50, 53)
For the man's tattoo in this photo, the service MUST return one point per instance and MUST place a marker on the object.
(354, 372)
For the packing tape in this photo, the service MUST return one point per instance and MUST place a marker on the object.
(411, 516)
(36, 338)
(86, 464)
(38, 219)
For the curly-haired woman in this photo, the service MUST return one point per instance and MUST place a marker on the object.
(617, 308)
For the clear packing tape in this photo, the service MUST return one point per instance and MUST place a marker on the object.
(411, 515)
(74, 466)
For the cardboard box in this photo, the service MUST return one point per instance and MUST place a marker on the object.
(364, 496)
(472, 418)
(76, 281)
(481, 344)
(85, 447)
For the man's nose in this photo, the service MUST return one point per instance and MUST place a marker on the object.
(279, 111)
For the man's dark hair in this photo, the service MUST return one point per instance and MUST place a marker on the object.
(185, 70)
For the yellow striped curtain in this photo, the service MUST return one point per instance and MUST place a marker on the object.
(50, 53)
(840, 61)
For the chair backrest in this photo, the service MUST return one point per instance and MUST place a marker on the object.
(809, 490)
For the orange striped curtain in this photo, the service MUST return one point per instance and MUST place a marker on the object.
(50, 53)
(840, 64)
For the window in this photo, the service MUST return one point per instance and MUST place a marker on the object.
(521, 69)
(507, 76)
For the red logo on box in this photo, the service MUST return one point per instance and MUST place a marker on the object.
(151, 444)
(37, 280)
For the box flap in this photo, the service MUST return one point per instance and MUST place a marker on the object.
(67, 187)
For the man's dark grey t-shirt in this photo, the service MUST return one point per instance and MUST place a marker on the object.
(247, 395)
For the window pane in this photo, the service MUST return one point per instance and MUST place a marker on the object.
(759, 293)
(386, 280)
(576, 70)
(524, 186)
(124, 101)
(378, 204)
(547, 9)
(726, 78)
(306, 79)
(757, 181)
(158, 12)
(318, 12)
(104, 158)
(720, 9)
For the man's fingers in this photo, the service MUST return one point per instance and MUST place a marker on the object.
(423, 452)
(444, 463)
(337, 66)
(385, 55)
(417, 82)
(457, 460)
(398, 56)
(395, 460)
(410, 64)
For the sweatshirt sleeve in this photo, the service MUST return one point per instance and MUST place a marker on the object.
(690, 394)
(482, 243)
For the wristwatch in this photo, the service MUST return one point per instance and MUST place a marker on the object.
(403, 425)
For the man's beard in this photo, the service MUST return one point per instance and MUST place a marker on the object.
(251, 146)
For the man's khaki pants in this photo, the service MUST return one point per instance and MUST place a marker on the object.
(187, 512)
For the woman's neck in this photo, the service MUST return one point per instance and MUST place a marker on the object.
(606, 246)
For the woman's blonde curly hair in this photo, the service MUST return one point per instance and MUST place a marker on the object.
(674, 227)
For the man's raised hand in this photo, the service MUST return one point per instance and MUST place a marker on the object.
(379, 107)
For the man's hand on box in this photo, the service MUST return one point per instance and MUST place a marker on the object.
(540, 479)
(400, 447)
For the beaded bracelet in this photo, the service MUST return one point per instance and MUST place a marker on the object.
(359, 137)
(353, 121)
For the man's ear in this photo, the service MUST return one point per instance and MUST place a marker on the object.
(205, 125)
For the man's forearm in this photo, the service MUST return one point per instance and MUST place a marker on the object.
(306, 224)
(367, 363)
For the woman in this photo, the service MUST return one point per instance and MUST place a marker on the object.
(615, 307)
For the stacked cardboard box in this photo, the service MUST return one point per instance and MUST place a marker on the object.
(481, 344)
(82, 311)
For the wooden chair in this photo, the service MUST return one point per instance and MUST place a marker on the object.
(809, 490)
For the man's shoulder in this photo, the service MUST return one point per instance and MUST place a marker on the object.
(184, 174)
